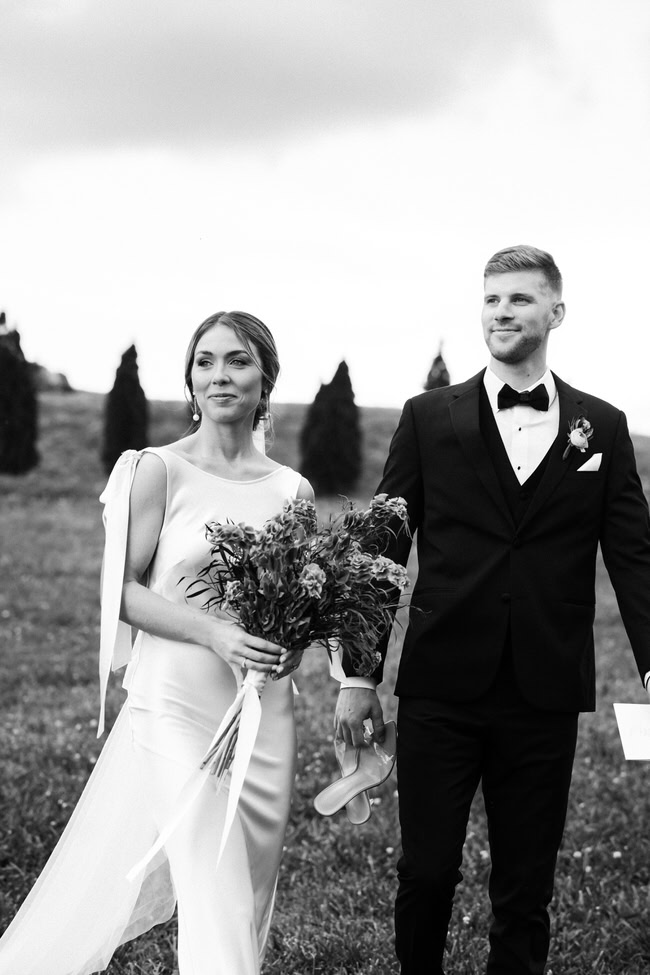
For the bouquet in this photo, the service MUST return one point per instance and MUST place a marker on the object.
(296, 585)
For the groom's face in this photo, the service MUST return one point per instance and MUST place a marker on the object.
(519, 310)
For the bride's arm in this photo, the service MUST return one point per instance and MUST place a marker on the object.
(151, 612)
(305, 491)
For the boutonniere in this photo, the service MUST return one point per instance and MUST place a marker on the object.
(580, 433)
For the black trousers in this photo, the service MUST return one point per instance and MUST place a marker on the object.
(523, 757)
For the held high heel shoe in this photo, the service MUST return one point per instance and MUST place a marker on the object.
(358, 808)
(373, 763)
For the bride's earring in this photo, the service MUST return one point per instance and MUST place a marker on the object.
(263, 407)
(196, 416)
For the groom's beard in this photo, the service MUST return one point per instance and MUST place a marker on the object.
(518, 349)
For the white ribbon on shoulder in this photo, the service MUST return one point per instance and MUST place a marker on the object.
(114, 635)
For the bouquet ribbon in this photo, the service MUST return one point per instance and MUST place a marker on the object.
(243, 718)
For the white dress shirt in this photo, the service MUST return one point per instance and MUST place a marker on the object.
(527, 433)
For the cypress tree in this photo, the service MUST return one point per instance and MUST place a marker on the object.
(126, 412)
(330, 440)
(18, 406)
(438, 373)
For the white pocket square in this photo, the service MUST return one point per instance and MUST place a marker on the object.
(593, 464)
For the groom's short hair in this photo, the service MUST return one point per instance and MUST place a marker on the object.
(524, 257)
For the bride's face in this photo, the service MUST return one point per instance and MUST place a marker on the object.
(226, 379)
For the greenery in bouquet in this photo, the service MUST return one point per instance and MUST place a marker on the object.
(295, 583)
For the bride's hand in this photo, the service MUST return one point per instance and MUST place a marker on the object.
(289, 661)
(242, 651)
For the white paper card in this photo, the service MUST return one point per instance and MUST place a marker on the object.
(634, 729)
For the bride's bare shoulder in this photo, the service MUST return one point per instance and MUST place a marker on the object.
(305, 491)
(267, 464)
(182, 447)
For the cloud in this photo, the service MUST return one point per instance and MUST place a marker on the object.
(76, 73)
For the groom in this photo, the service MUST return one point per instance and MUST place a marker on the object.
(498, 660)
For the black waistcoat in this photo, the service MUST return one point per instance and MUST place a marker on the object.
(518, 496)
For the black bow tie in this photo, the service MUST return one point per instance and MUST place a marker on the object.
(537, 398)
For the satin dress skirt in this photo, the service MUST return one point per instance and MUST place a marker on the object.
(178, 694)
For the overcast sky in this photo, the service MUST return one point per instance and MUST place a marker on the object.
(340, 168)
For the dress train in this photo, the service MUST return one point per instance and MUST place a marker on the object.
(82, 907)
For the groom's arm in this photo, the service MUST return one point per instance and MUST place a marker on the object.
(401, 479)
(625, 544)
(358, 701)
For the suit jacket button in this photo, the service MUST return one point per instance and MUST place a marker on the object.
(505, 597)
(516, 543)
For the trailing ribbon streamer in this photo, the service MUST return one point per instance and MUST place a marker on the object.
(114, 634)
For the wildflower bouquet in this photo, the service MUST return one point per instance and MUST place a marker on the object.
(296, 585)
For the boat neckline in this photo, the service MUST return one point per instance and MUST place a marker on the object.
(229, 480)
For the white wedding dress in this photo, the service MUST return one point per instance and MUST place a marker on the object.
(83, 906)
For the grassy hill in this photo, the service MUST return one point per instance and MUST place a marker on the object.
(334, 911)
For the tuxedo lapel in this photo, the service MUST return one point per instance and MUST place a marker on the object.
(464, 413)
(571, 406)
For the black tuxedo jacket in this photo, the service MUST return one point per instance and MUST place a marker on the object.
(482, 576)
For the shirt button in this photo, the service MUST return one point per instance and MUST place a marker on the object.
(505, 597)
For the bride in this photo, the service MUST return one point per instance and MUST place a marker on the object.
(184, 669)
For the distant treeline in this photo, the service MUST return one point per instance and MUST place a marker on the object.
(330, 441)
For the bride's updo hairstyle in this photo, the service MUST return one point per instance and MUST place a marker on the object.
(258, 342)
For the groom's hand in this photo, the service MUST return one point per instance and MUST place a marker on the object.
(354, 706)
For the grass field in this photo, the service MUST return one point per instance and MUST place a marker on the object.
(334, 908)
